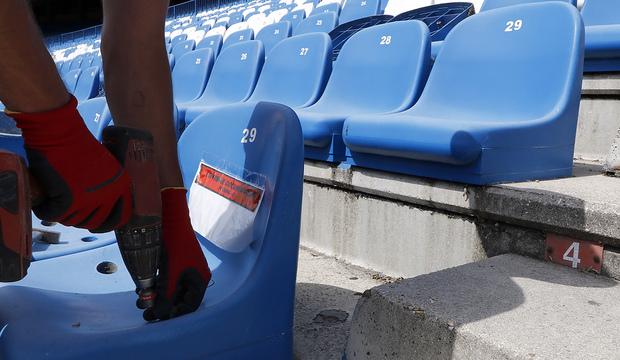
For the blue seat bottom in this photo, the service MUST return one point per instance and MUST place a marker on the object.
(602, 51)
(66, 309)
(499, 165)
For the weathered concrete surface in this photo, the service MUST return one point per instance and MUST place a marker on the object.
(326, 294)
(401, 239)
(599, 121)
(585, 205)
(507, 307)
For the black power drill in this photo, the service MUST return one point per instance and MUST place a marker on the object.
(139, 240)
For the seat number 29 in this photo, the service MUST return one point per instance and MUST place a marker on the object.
(249, 136)
(515, 25)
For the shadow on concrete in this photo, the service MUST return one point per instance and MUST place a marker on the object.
(323, 316)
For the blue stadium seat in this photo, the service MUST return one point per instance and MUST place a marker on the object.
(213, 42)
(331, 7)
(239, 36)
(177, 39)
(272, 34)
(323, 22)
(96, 115)
(190, 74)
(294, 17)
(76, 63)
(357, 9)
(89, 315)
(494, 4)
(381, 69)
(296, 71)
(70, 79)
(232, 80)
(87, 85)
(182, 48)
(171, 61)
(602, 21)
(483, 117)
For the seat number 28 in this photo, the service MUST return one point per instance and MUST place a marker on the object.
(515, 25)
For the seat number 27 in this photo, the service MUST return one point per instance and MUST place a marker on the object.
(515, 25)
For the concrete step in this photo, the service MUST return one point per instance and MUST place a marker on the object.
(406, 226)
(507, 307)
(326, 294)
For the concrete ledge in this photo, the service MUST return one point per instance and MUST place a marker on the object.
(507, 307)
(586, 205)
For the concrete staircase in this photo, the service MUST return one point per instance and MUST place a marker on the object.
(477, 286)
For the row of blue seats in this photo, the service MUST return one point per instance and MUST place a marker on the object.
(498, 120)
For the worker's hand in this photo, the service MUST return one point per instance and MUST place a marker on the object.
(83, 184)
(183, 273)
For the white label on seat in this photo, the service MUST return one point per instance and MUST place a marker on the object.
(514, 25)
(223, 207)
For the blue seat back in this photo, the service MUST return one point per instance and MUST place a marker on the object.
(87, 85)
(182, 48)
(494, 4)
(70, 79)
(296, 71)
(190, 74)
(332, 7)
(213, 42)
(96, 115)
(600, 12)
(272, 34)
(323, 22)
(239, 36)
(357, 9)
(234, 74)
(294, 17)
(499, 58)
(380, 69)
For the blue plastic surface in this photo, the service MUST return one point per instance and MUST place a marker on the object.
(343, 32)
(232, 80)
(357, 9)
(96, 115)
(602, 21)
(213, 42)
(190, 74)
(182, 48)
(87, 85)
(498, 106)
(272, 34)
(440, 18)
(381, 69)
(331, 7)
(296, 71)
(71, 78)
(494, 4)
(323, 22)
(239, 36)
(75, 312)
(294, 17)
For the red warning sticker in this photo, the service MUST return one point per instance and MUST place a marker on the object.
(237, 191)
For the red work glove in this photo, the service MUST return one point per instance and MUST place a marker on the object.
(183, 273)
(84, 185)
